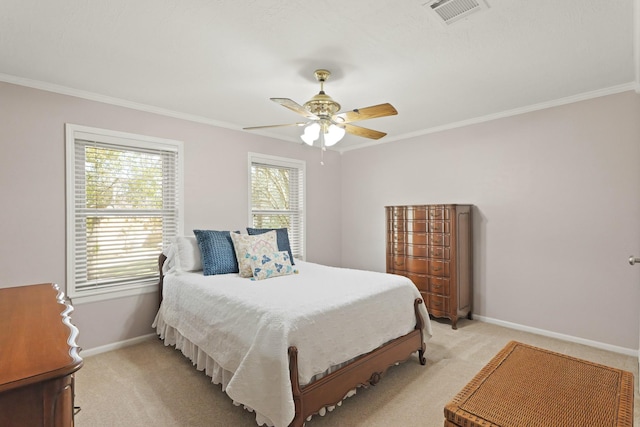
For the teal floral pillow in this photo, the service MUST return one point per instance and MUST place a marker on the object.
(267, 265)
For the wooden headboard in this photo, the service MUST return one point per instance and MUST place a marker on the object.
(161, 259)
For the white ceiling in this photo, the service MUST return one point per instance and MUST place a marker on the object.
(219, 62)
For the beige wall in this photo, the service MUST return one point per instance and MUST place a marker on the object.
(557, 195)
(32, 188)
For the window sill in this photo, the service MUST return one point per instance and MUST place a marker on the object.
(90, 296)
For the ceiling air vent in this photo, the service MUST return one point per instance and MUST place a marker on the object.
(452, 10)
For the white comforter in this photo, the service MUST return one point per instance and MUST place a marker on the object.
(330, 314)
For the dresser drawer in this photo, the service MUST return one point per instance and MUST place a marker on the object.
(396, 248)
(416, 226)
(440, 239)
(396, 262)
(416, 265)
(438, 305)
(396, 213)
(417, 213)
(397, 225)
(395, 237)
(416, 238)
(439, 268)
(417, 250)
(439, 227)
(439, 252)
(420, 280)
(438, 285)
(438, 213)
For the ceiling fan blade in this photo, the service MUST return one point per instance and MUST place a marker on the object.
(295, 107)
(375, 111)
(364, 132)
(273, 126)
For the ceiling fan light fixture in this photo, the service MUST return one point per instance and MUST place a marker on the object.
(333, 135)
(311, 133)
(323, 120)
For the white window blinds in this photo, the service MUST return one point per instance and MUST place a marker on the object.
(277, 197)
(125, 209)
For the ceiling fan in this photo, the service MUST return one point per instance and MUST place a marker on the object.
(325, 123)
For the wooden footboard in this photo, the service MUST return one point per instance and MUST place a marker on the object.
(366, 370)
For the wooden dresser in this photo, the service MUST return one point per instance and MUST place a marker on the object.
(38, 357)
(431, 245)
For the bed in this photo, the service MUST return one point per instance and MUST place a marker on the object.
(291, 346)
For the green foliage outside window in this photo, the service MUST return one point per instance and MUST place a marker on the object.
(120, 183)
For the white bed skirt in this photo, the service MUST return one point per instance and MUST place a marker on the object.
(203, 362)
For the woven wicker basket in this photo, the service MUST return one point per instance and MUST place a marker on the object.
(529, 386)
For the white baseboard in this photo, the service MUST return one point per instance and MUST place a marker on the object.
(510, 325)
(116, 345)
(570, 338)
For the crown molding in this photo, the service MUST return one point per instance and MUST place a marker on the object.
(64, 90)
(508, 113)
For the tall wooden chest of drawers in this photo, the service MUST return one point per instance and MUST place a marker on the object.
(431, 245)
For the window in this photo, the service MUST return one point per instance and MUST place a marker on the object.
(276, 197)
(123, 207)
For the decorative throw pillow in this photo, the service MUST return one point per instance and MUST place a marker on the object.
(273, 264)
(283, 238)
(188, 257)
(246, 246)
(218, 255)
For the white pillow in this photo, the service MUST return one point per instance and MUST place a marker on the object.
(169, 263)
(187, 254)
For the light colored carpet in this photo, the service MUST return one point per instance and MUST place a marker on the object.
(149, 384)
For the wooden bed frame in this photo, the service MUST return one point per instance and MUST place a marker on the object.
(365, 370)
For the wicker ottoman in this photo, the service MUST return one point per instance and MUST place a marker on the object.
(529, 386)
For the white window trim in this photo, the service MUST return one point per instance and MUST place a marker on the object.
(287, 163)
(73, 132)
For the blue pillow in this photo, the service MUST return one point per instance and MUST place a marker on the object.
(282, 236)
(218, 255)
